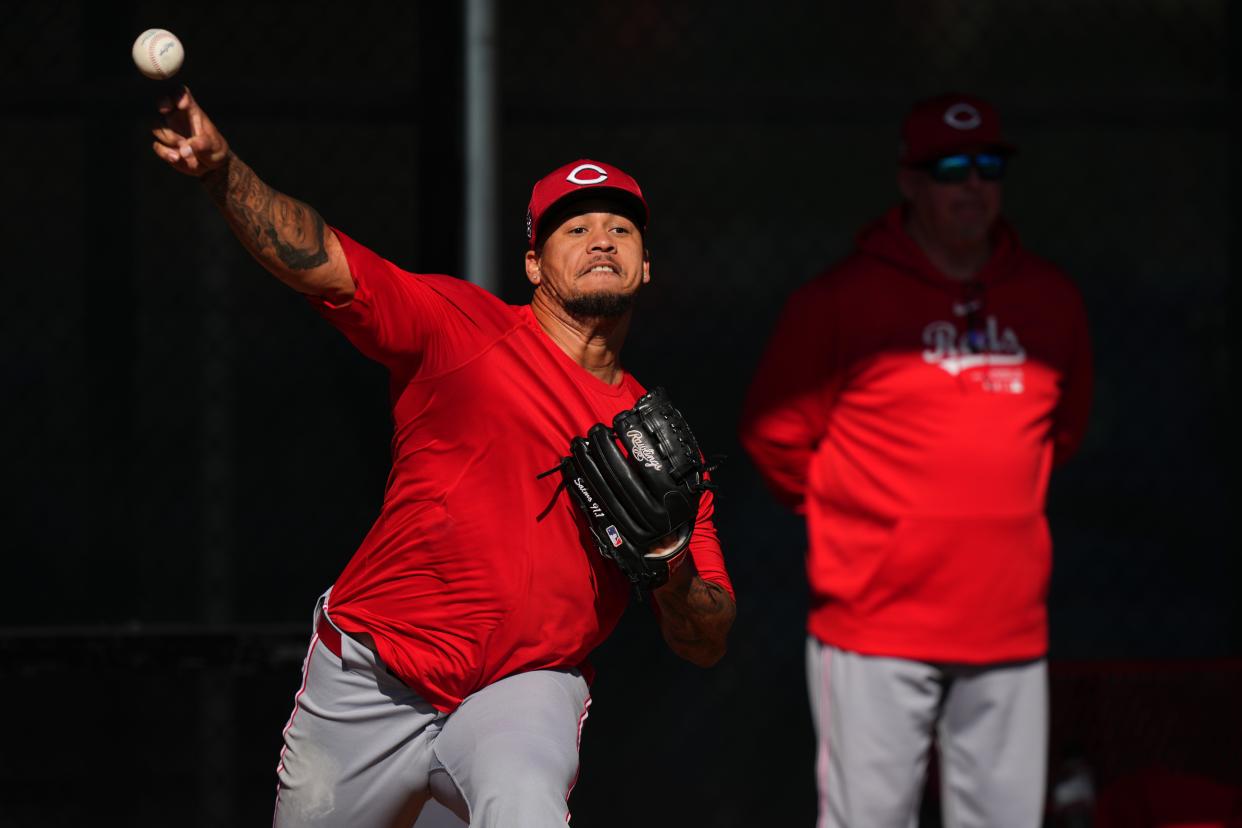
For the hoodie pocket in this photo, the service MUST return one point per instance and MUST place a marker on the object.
(940, 571)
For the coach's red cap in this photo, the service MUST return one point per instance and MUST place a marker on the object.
(948, 124)
(581, 178)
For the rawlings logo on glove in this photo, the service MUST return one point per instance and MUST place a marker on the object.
(646, 498)
(642, 452)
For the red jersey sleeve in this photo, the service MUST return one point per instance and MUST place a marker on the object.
(407, 321)
(1074, 406)
(786, 408)
(705, 546)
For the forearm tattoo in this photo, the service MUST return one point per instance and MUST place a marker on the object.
(696, 622)
(280, 231)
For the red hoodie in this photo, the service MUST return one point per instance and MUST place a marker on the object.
(921, 465)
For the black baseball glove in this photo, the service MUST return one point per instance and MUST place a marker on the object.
(640, 502)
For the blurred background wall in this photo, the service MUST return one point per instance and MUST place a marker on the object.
(190, 455)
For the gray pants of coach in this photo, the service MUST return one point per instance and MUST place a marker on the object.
(362, 749)
(875, 718)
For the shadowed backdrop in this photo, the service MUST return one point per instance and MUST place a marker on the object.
(191, 455)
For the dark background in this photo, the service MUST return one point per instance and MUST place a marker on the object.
(190, 455)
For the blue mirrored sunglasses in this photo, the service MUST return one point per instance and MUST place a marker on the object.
(952, 168)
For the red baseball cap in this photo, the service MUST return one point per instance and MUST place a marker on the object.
(581, 178)
(948, 124)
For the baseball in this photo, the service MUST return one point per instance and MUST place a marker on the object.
(158, 54)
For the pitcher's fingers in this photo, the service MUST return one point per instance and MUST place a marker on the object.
(165, 153)
(208, 146)
(166, 136)
(198, 124)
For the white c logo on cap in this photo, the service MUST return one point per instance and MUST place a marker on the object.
(962, 116)
(576, 179)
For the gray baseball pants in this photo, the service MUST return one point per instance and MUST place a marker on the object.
(363, 749)
(874, 722)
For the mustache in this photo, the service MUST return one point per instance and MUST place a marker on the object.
(606, 261)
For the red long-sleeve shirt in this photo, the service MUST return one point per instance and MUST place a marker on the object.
(921, 466)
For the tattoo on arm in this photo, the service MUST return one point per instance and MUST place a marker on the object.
(696, 622)
(281, 232)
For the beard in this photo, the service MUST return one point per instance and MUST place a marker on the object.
(599, 305)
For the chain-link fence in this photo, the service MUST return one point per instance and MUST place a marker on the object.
(188, 445)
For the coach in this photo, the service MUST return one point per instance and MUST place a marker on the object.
(911, 404)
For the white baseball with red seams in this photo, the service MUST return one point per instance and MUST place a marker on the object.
(158, 54)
